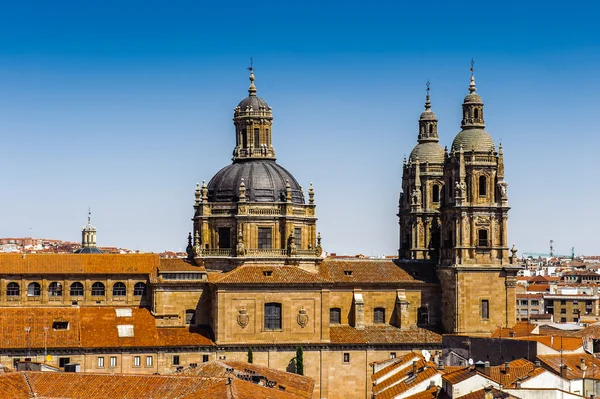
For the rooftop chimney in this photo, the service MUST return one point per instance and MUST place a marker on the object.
(511, 334)
(487, 392)
(582, 364)
(414, 367)
(486, 368)
(538, 364)
(507, 368)
(563, 370)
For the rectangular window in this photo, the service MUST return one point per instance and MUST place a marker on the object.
(175, 360)
(482, 236)
(524, 302)
(563, 319)
(392, 355)
(563, 311)
(563, 301)
(113, 361)
(136, 361)
(272, 316)
(100, 362)
(148, 361)
(224, 237)
(335, 316)
(298, 237)
(63, 361)
(535, 302)
(256, 138)
(204, 358)
(265, 240)
(346, 358)
(379, 316)
(485, 309)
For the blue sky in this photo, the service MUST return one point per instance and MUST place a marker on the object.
(124, 106)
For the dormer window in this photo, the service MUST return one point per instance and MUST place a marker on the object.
(268, 273)
(60, 325)
(348, 272)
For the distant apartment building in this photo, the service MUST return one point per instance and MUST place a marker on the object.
(529, 305)
(569, 307)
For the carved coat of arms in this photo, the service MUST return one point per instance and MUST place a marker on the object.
(302, 317)
(243, 318)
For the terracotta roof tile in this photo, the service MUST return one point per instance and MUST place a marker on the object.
(496, 394)
(74, 264)
(520, 329)
(184, 336)
(382, 335)
(365, 271)
(557, 343)
(178, 264)
(573, 363)
(431, 393)
(419, 365)
(265, 275)
(398, 362)
(407, 384)
(14, 386)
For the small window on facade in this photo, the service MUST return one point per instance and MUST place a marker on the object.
(379, 316)
(60, 325)
(392, 355)
(190, 316)
(139, 289)
(136, 361)
(298, 237)
(204, 358)
(224, 237)
(119, 289)
(62, 361)
(482, 236)
(563, 311)
(485, 309)
(482, 186)
(272, 316)
(113, 361)
(431, 128)
(98, 289)
(149, 361)
(265, 240)
(436, 193)
(13, 289)
(335, 316)
(348, 272)
(267, 273)
(76, 289)
(100, 362)
(563, 301)
(423, 315)
(33, 289)
(55, 289)
(563, 319)
(256, 137)
(175, 360)
(346, 357)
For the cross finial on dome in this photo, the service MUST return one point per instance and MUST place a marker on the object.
(427, 101)
(252, 88)
(89, 215)
(472, 87)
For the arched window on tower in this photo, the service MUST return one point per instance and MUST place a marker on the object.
(431, 128)
(482, 238)
(482, 186)
(436, 193)
(244, 139)
(476, 113)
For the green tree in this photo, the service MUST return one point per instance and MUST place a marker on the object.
(299, 361)
(250, 358)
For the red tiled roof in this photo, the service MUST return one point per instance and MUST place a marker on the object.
(556, 343)
(179, 264)
(398, 362)
(14, 386)
(496, 394)
(145, 264)
(520, 329)
(407, 384)
(265, 275)
(399, 376)
(364, 271)
(573, 363)
(381, 335)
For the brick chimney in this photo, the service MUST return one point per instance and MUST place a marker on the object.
(487, 392)
(487, 368)
(507, 368)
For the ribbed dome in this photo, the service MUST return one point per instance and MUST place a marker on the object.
(265, 181)
(428, 116)
(477, 139)
(430, 152)
(473, 98)
(89, 250)
(253, 102)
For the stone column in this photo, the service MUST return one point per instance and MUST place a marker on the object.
(402, 310)
(359, 311)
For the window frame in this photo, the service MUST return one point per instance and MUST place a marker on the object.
(98, 289)
(137, 361)
(190, 321)
(298, 237)
(149, 361)
(176, 360)
(379, 315)
(35, 288)
(119, 291)
(55, 289)
(483, 242)
(112, 362)
(484, 307)
(76, 285)
(273, 320)
(10, 289)
(482, 186)
(265, 241)
(136, 289)
(435, 194)
(335, 311)
(100, 362)
(346, 357)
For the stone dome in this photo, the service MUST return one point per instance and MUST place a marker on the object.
(428, 116)
(264, 179)
(477, 139)
(253, 102)
(473, 98)
(430, 152)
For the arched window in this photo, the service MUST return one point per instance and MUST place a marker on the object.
(436, 193)
(139, 289)
(272, 316)
(55, 289)
(482, 186)
(476, 113)
(76, 289)
(190, 316)
(33, 289)
(13, 289)
(98, 289)
(431, 128)
(379, 316)
(482, 236)
(335, 316)
(119, 289)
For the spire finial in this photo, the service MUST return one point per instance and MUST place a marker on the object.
(427, 102)
(472, 86)
(252, 88)
(89, 215)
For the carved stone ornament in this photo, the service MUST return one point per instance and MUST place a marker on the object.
(302, 317)
(243, 318)
(482, 220)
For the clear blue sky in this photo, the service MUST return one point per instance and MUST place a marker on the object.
(124, 106)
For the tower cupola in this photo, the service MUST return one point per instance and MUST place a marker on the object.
(88, 238)
(428, 148)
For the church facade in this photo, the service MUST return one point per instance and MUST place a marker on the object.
(255, 276)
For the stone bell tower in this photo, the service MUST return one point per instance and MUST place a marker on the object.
(476, 269)
(422, 193)
(254, 210)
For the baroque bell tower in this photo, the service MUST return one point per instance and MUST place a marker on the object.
(477, 269)
(422, 192)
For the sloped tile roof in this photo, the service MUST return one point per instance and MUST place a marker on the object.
(398, 362)
(557, 343)
(407, 384)
(573, 363)
(178, 264)
(399, 376)
(265, 275)
(431, 393)
(365, 271)
(79, 264)
(14, 386)
(382, 335)
(496, 394)
(521, 329)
